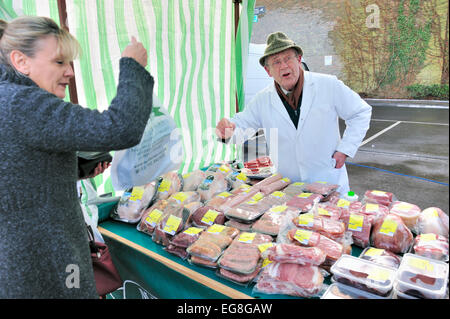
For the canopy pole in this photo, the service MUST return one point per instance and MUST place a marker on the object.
(63, 20)
(236, 25)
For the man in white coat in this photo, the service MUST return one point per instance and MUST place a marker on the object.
(299, 115)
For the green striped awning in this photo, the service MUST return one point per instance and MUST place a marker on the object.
(193, 56)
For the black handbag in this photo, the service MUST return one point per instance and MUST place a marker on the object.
(88, 161)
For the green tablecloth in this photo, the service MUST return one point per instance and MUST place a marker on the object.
(134, 255)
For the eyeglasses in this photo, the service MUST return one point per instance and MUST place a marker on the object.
(289, 59)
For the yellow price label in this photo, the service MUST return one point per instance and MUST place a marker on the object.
(164, 186)
(278, 194)
(266, 262)
(404, 207)
(343, 203)
(373, 252)
(224, 195)
(209, 217)
(355, 222)
(216, 229)
(375, 192)
(263, 247)
(303, 236)
(428, 237)
(379, 275)
(154, 217)
(430, 213)
(304, 195)
(420, 264)
(278, 209)
(193, 230)
(389, 227)
(224, 168)
(137, 193)
(247, 237)
(298, 184)
(180, 197)
(242, 177)
(323, 212)
(172, 224)
(306, 220)
(372, 208)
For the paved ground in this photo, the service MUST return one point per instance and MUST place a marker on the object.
(405, 151)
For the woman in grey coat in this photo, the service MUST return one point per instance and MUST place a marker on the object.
(44, 250)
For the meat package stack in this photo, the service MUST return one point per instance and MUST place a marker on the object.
(285, 237)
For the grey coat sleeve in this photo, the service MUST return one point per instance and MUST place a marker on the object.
(49, 123)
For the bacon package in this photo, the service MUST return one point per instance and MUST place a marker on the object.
(378, 197)
(290, 253)
(304, 201)
(333, 229)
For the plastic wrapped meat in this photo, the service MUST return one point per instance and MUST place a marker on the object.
(290, 253)
(206, 216)
(212, 242)
(187, 237)
(202, 262)
(247, 211)
(304, 201)
(431, 246)
(192, 180)
(271, 221)
(237, 277)
(364, 275)
(275, 186)
(176, 250)
(322, 188)
(374, 211)
(152, 217)
(433, 220)
(409, 213)
(168, 184)
(331, 248)
(212, 185)
(422, 277)
(381, 256)
(237, 179)
(240, 257)
(266, 181)
(239, 225)
(327, 211)
(392, 234)
(290, 279)
(133, 202)
(220, 199)
(183, 198)
(173, 222)
(359, 225)
(295, 189)
(378, 197)
(333, 229)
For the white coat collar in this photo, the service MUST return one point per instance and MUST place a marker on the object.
(307, 99)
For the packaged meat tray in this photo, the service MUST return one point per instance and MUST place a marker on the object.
(295, 189)
(275, 186)
(364, 274)
(172, 223)
(219, 200)
(360, 226)
(327, 210)
(422, 277)
(239, 225)
(212, 242)
(378, 197)
(290, 279)
(374, 211)
(133, 202)
(206, 216)
(433, 220)
(168, 184)
(266, 181)
(213, 184)
(177, 251)
(322, 188)
(195, 260)
(381, 256)
(431, 246)
(237, 278)
(193, 179)
(339, 291)
(152, 217)
(294, 254)
(261, 167)
(236, 179)
(271, 221)
(408, 212)
(392, 234)
(333, 229)
(331, 248)
(304, 201)
(187, 237)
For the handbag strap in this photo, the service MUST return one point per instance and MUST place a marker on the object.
(94, 248)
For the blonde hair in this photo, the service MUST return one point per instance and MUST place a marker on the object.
(24, 32)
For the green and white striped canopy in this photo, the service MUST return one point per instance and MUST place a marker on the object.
(193, 55)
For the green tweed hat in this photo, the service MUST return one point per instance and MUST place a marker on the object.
(277, 42)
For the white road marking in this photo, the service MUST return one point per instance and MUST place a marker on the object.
(409, 122)
(380, 132)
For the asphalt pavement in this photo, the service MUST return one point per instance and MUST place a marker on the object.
(405, 152)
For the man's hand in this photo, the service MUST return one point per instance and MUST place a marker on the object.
(339, 158)
(225, 128)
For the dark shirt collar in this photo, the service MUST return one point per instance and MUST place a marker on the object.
(9, 74)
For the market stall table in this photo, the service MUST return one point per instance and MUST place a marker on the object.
(165, 275)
